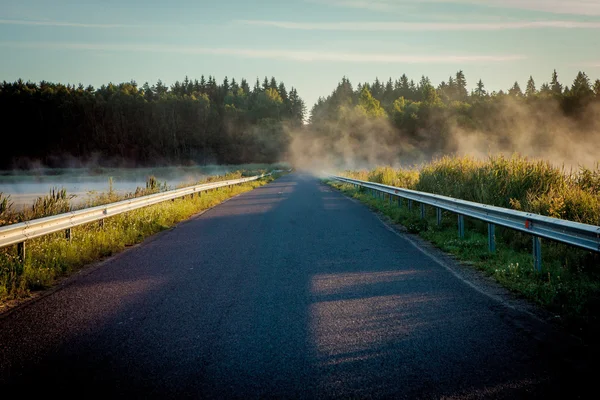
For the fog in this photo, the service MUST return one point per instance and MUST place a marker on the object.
(25, 186)
(532, 129)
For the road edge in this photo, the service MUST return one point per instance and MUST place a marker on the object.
(528, 317)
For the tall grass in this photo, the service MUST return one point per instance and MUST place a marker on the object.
(511, 182)
(6, 213)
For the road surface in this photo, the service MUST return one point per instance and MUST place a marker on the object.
(289, 291)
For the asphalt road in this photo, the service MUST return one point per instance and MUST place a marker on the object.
(288, 291)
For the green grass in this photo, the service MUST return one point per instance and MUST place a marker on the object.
(51, 257)
(513, 182)
(568, 286)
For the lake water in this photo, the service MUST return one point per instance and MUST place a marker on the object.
(25, 186)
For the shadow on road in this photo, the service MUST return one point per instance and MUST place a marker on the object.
(288, 291)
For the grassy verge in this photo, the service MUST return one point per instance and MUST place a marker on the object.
(51, 257)
(569, 284)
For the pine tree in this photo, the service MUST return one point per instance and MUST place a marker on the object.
(423, 83)
(404, 82)
(545, 89)
(404, 87)
(530, 91)
(286, 101)
(461, 85)
(480, 91)
(256, 88)
(234, 86)
(148, 93)
(555, 86)
(430, 95)
(298, 108)
(412, 90)
(244, 86)
(160, 89)
(225, 86)
(515, 90)
(451, 91)
(389, 86)
(597, 88)
(282, 91)
(388, 93)
(581, 85)
(186, 85)
(376, 88)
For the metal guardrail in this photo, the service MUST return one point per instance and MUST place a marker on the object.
(572, 233)
(21, 232)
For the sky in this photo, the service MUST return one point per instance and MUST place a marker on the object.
(309, 44)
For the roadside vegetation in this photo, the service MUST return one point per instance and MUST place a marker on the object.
(52, 257)
(569, 284)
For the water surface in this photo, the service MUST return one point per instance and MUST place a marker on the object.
(25, 186)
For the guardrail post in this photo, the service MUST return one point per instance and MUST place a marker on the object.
(438, 214)
(422, 211)
(537, 253)
(391, 199)
(409, 205)
(491, 237)
(399, 202)
(461, 226)
(68, 234)
(21, 251)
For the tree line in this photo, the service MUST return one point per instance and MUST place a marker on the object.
(419, 120)
(192, 121)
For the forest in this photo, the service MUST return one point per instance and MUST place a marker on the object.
(124, 125)
(400, 122)
(393, 122)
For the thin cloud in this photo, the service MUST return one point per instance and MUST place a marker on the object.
(303, 56)
(373, 5)
(422, 26)
(591, 64)
(570, 7)
(63, 24)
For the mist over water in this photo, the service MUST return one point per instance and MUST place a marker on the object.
(25, 186)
